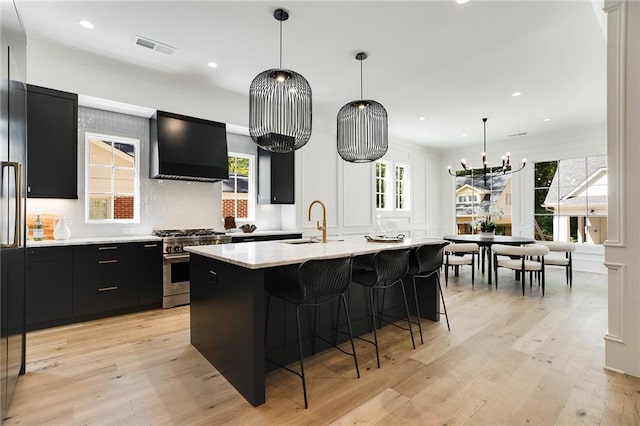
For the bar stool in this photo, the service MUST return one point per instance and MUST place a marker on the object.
(325, 279)
(389, 267)
(425, 262)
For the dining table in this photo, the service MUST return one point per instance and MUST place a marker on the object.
(485, 243)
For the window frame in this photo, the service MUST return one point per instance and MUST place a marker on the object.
(88, 137)
(390, 194)
(252, 193)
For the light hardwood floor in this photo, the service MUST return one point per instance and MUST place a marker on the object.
(508, 360)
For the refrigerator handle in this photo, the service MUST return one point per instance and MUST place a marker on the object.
(17, 233)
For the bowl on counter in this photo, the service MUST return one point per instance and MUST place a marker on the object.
(248, 228)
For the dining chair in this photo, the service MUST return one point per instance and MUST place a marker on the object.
(521, 259)
(555, 260)
(459, 254)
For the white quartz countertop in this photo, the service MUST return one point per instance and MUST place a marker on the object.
(265, 254)
(239, 233)
(93, 240)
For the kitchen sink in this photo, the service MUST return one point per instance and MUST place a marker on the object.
(305, 241)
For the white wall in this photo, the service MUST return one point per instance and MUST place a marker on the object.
(346, 189)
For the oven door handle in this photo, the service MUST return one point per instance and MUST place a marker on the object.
(175, 258)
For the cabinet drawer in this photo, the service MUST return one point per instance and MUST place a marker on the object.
(94, 298)
(101, 252)
(104, 272)
(44, 254)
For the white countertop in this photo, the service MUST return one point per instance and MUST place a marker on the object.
(265, 254)
(93, 240)
(240, 233)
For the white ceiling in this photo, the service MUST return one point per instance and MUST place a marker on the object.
(450, 63)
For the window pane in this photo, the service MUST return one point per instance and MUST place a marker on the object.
(544, 173)
(123, 155)
(546, 201)
(543, 227)
(242, 167)
(99, 179)
(100, 207)
(100, 152)
(123, 207)
(124, 181)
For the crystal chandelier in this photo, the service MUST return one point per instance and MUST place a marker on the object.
(362, 128)
(486, 171)
(280, 106)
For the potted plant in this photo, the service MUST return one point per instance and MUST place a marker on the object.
(485, 221)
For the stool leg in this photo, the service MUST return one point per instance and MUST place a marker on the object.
(315, 327)
(304, 382)
(406, 307)
(415, 294)
(373, 319)
(353, 346)
(443, 304)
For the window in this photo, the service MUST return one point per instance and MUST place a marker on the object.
(476, 198)
(112, 170)
(238, 199)
(392, 183)
(571, 200)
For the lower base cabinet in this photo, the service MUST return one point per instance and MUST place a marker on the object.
(75, 283)
(49, 289)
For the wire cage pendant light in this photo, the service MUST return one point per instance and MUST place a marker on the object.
(362, 128)
(488, 172)
(280, 106)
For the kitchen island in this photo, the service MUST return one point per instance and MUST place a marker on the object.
(228, 300)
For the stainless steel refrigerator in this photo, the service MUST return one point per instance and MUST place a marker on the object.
(13, 143)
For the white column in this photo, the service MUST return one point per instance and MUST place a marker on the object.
(622, 248)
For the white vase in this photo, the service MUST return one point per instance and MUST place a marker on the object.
(488, 234)
(61, 231)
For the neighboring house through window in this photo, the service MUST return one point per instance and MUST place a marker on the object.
(238, 195)
(571, 200)
(112, 171)
(473, 195)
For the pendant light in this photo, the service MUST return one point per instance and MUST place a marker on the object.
(362, 128)
(280, 106)
(488, 172)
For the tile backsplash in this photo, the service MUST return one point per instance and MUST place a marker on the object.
(163, 203)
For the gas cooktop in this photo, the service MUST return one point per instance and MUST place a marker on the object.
(198, 232)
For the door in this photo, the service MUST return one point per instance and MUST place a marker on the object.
(12, 199)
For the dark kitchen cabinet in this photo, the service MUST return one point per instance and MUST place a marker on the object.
(49, 286)
(105, 278)
(276, 177)
(150, 273)
(52, 125)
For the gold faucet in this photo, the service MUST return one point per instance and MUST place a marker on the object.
(322, 227)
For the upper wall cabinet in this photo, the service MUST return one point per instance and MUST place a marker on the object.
(276, 177)
(52, 144)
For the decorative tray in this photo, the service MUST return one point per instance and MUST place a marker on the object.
(384, 238)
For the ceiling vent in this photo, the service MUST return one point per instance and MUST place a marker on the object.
(515, 135)
(155, 45)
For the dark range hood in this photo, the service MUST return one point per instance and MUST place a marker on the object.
(187, 148)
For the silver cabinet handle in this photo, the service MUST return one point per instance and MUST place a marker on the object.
(108, 248)
(115, 287)
(150, 245)
(17, 220)
(102, 262)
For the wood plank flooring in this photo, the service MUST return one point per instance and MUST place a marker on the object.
(508, 360)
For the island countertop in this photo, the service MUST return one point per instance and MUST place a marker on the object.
(265, 254)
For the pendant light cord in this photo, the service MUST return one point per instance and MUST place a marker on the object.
(485, 136)
(361, 95)
(280, 44)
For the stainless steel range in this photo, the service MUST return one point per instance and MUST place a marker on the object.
(175, 270)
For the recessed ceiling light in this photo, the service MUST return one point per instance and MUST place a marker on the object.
(547, 119)
(464, 135)
(462, 1)
(516, 94)
(212, 64)
(421, 118)
(85, 24)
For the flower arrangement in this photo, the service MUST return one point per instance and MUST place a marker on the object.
(486, 218)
